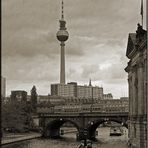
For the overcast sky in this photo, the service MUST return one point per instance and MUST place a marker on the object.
(95, 49)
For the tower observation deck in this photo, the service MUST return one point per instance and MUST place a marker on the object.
(62, 36)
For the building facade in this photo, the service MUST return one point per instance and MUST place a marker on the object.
(66, 90)
(107, 96)
(73, 90)
(106, 106)
(3, 88)
(115, 105)
(137, 81)
(18, 96)
(43, 98)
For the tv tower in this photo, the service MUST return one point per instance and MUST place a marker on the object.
(62, 36)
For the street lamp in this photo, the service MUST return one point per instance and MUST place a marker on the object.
(92, 99)
(85, 137)
(91, 123)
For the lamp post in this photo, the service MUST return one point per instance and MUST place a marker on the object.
(91, 100)
(85, 137)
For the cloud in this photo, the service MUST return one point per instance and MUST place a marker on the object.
(95, 49)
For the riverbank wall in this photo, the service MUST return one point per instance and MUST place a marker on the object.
(18, 138)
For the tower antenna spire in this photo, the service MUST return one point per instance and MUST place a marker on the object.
(141, 12)
(90, 82)
(62, 17)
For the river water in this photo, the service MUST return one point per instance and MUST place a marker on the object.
(69, 141)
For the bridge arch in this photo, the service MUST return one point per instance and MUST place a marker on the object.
(52, 129)
(93, 125)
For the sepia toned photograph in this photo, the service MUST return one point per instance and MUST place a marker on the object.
(74, 74)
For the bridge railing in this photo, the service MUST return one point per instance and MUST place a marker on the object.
(83, 114)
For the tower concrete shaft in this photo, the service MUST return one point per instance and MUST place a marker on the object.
(62, 66)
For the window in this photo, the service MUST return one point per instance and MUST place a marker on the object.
(135, 130)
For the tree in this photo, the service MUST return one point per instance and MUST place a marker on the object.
(15, 115)
(33, 98)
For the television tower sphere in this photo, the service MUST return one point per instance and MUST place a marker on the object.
(62, 35)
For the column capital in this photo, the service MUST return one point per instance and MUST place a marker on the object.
(133, 68)
(140, 63)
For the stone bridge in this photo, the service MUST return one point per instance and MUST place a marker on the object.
(89, 122)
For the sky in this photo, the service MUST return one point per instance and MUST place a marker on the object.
(96, 48)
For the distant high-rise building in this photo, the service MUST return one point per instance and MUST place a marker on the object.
(62, 36)
(3, 87)
(89, 92)
(66, 90)
(73, 90)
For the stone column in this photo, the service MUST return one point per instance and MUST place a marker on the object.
(130, 94)
(140, 89)
(136, 90)
(145, 85)
(133, 95)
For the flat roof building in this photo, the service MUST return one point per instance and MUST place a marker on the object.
(73, 90)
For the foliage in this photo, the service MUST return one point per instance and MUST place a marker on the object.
(33, 98)
(16, 115)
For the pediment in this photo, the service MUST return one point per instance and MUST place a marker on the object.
(131, 43)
